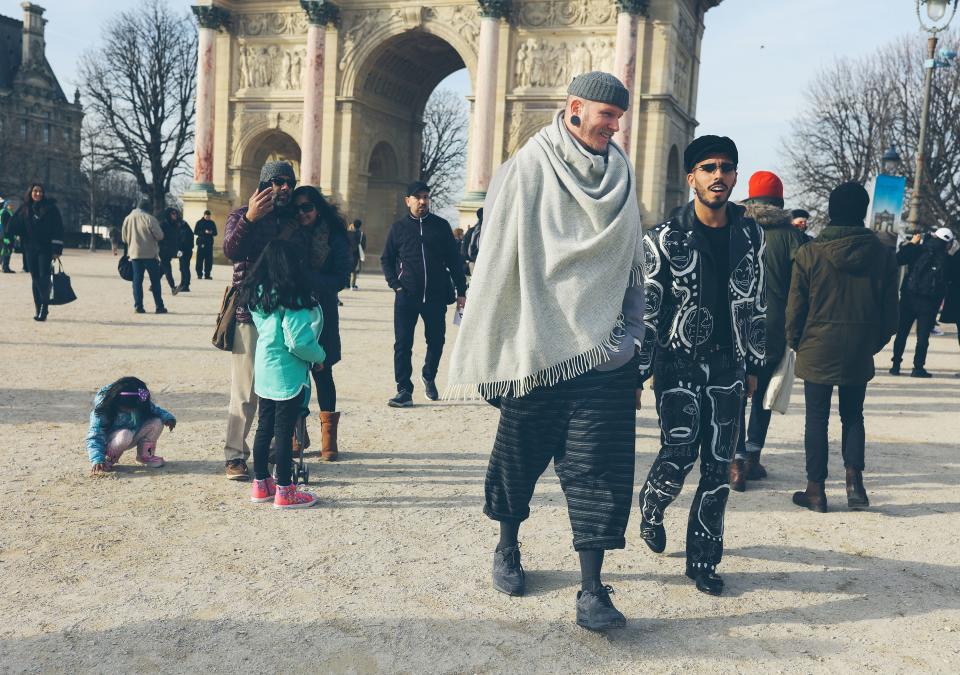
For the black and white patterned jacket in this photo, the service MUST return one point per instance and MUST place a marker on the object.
(679, 290)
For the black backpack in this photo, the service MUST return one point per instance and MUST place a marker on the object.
(927, 276)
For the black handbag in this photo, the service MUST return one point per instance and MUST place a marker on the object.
(61, 291)
(125, 266)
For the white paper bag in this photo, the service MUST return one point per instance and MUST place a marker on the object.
(778, 393)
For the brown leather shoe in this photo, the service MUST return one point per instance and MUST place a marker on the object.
(856, 493)
(328, 436)
(738, 476)
(813, 498)
(237, 470)
(755, 470)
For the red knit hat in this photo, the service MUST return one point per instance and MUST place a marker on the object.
(766, 186)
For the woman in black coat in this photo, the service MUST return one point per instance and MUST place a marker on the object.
(40, 227)
(951, 303)
(329, 262)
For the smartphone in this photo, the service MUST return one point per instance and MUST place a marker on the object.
(265, 185)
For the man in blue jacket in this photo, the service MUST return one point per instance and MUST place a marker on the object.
(421, 263)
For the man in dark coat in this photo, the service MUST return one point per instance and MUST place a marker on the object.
(169, 245)
(842, 310)
(921, 293)
(418, 261)
(765, 205)
(205, 231)
(185, 248)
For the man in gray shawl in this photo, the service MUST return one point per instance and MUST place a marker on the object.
(550, 334)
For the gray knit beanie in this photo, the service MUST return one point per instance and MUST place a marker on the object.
(600, 87)
(277, 169)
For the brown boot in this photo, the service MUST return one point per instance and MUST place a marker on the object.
(328, 436)
(856, 493)
(738, 475)
(813, 498)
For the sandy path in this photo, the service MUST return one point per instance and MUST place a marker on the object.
(174, 570)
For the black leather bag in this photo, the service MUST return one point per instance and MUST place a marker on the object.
(61, 290)
(125, 266)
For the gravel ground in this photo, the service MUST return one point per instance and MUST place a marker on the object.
(174, 570)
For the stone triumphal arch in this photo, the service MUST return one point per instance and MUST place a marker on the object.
(339, 89)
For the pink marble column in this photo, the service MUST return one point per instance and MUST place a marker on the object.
(484, 108)
(625, 67)
(210, 19)
(312, 106)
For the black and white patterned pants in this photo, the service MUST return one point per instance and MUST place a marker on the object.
(587, 426)
(699, 409)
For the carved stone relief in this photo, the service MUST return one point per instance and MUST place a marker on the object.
(681, 77)
(524, 123)
(543, 64)
(464, 18)
(282, 23)
(271, 67)
(541, 13)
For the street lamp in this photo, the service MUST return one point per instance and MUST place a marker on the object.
(890, 161)
(936, 11)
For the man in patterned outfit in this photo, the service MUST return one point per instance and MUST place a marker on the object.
(703, 344)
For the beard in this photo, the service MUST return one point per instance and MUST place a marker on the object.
(709, 199)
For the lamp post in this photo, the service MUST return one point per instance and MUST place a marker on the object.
(890, 161)
(936, 11)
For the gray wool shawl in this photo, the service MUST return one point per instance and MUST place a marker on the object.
(560, 247)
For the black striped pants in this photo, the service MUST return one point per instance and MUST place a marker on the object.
(587, 426)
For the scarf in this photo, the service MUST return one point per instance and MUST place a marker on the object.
(559, 250)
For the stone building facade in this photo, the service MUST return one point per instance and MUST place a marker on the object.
(339, 89)
(39, 126)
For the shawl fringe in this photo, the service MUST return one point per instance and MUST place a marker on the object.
(563, 371)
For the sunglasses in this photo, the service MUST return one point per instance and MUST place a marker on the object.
(280, 182)
(306, 207)
(711, 167)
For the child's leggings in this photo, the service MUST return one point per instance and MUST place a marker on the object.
(144, 438)
(276, 422)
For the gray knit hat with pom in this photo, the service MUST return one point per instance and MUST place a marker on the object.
(601, 87)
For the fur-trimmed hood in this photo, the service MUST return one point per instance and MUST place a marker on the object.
(767, 215)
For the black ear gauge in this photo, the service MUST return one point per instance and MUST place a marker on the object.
(575, 120)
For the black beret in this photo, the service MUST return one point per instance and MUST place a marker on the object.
(704, 146)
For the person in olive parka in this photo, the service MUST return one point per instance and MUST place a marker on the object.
(842, 310)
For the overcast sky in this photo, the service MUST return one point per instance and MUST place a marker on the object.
(757, 58)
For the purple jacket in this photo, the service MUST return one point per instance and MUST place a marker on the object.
(244, 241)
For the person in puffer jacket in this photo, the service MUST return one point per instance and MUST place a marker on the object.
(124, 416)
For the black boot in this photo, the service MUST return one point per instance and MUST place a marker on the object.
(44, 311)
(856, 493)
(920, 372)
(655, 536)
(813, 498)
(738, 475)
(707, 581)
(895, 368)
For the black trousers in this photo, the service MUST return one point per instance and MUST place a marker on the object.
(326, 389)
(923, 310)
(276, 420)
(406, 311)
(151, 267)
(39, 263)
(166, 269)
(587, 426)
(699, 406)
(853, 435)
(185, 269)
(204, 262)
(754, 435)
(5, 262)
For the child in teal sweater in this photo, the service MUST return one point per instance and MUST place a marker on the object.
(288, 320)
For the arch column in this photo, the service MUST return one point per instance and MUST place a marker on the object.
(625, 59)
(210, 19)
(319, 13)
(492, 13)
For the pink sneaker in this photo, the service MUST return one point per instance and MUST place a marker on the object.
(146, 456)
(263, 490)
(288, 497)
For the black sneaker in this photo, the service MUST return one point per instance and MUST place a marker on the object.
(707, 582)
(508, 575)
(894, 369)
(403, 399)
(655, 536)
(920, 372)
(174, 289)
(139, 310)
(430, 388)
(161, 310)
(595, 610)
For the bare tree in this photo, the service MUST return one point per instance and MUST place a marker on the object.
(141, 85)
(854, 110)
(444, 150)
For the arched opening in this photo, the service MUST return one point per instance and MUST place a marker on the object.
(273, 145)
(676, 185)
(390, 93)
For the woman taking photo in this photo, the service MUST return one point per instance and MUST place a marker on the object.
(38, 224)
(329, 263)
